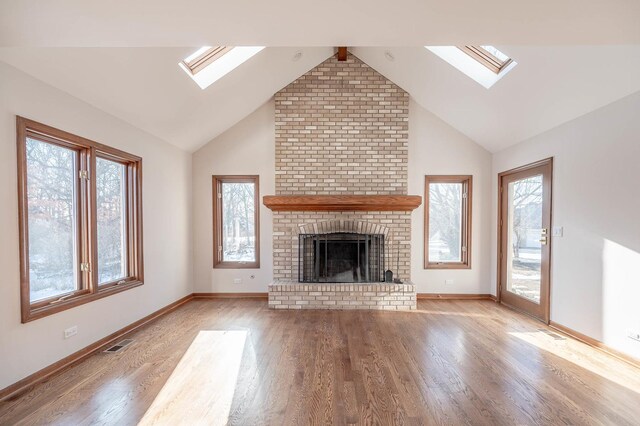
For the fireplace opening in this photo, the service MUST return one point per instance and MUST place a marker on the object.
(341, 258)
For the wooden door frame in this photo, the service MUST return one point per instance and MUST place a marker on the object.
(547, 161)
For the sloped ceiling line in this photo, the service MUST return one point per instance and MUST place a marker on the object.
(146, 88)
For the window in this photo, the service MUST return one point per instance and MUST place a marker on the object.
(80, 220)
(236, 235)
(447, 222)
(486, 65)
(203, 57)
(111, 196)
(488, 56)
(209, 64)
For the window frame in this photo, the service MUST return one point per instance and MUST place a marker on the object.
(217, 181)
(207, 57)
(85, 170)
(486, 58)
(466, 214)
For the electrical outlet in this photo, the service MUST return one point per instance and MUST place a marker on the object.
(237, 280)
(71, 331)
(633, 334)
(449, 282)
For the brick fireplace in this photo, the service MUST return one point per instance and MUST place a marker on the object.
(342, 256)
(342, 129)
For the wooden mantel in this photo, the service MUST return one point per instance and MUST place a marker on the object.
(379, 203)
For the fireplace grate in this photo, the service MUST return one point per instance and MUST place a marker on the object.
(341, 257)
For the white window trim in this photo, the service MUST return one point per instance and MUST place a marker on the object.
(469, 66)
(222, 65)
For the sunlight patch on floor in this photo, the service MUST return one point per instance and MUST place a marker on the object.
(200, 390)
(583, 356)
(448, 313)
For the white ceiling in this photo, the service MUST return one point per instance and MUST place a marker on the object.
(145, 86)
(121, 56)
(549, 86)
(145, 23)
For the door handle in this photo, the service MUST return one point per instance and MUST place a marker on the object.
(543, 240)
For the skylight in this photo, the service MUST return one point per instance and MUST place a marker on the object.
(484, 64)
(488, 56)
(202, 57)
(210, 63)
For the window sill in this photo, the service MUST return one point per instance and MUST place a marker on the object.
(237, 265)
(447, 266)
(54, 308)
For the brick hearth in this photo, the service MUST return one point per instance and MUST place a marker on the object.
(383, 296)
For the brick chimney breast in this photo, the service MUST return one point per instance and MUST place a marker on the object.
(341, 128)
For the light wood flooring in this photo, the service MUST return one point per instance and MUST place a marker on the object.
(237, 362)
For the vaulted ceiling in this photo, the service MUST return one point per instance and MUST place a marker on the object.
(144, 23)
(573, 57)
(145, 86)
(548, 87)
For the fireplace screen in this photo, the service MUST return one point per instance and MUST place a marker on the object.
(341, 258)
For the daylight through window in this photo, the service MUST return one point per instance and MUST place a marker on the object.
(236, 235)
(488, 56)
(112, 220)
(52, 216)
(447, 221)
(209, 64)
(204, 56)
(80, 219)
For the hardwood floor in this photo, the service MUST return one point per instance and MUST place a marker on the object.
(237, 362)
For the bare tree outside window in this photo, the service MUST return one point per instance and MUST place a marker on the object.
(525, 223)
(236, 235)
(80, 219)
(51, 193)
(110, 197)
(447, 221)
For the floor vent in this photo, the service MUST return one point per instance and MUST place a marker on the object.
(119, 346)
(552, 334)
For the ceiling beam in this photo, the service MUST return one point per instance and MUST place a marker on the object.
(342, 53)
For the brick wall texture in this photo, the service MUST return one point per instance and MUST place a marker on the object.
(383, 296)
(341, 128)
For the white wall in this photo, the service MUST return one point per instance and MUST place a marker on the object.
(435, 148)
(248, 148)
(595, 273)
(26, 348)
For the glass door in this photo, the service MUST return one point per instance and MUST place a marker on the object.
(524, 249)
